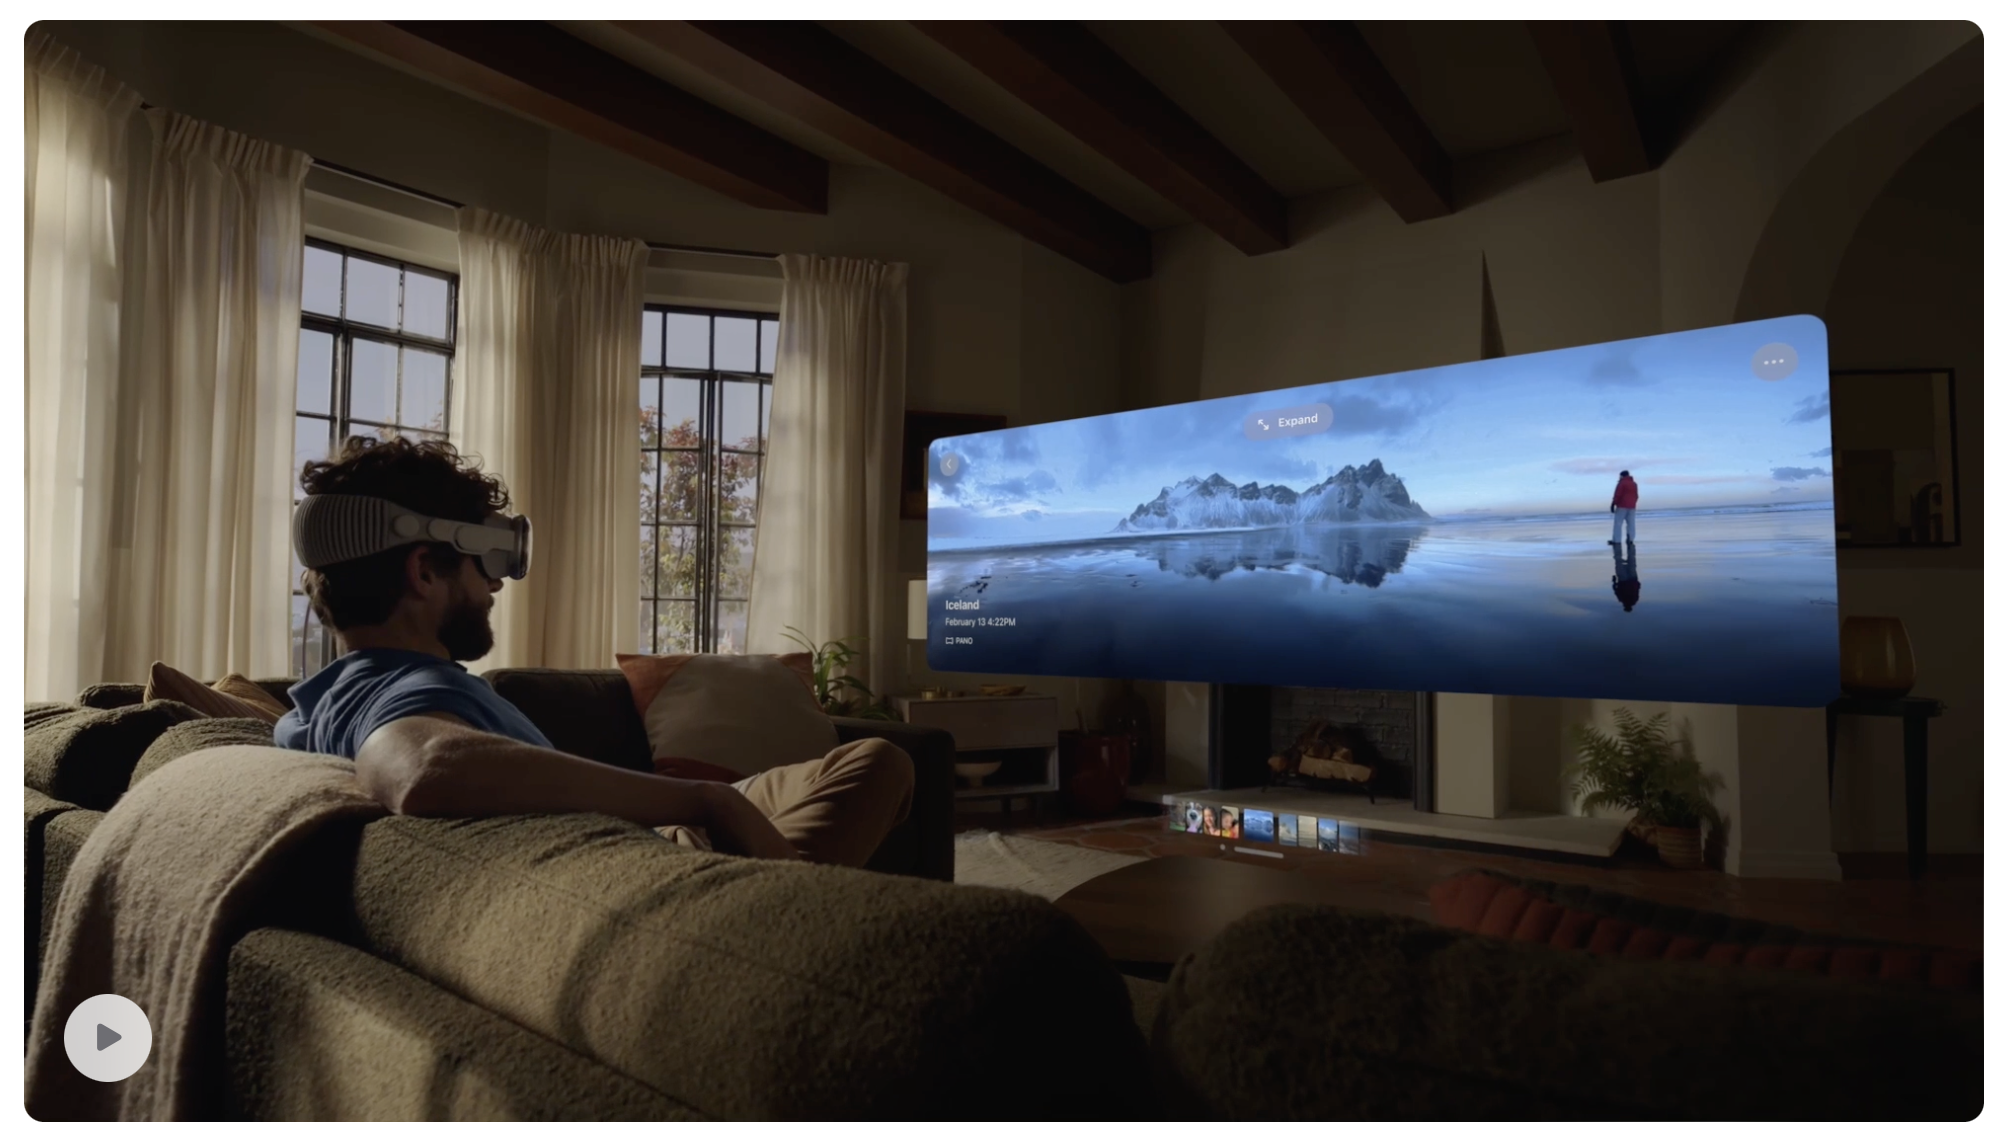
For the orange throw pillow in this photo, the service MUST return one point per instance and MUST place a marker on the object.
(232, 696)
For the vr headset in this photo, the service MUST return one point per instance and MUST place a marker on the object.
(328, 529)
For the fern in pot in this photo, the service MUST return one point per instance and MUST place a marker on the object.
(1641, 769)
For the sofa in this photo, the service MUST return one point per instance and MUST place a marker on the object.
(579, 967)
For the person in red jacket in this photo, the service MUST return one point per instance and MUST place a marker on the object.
(1626, 496)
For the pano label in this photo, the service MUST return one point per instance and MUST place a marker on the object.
(1651, 519)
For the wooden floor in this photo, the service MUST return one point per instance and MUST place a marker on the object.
(1876, 901)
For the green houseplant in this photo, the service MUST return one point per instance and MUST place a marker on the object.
(1642, 769)
(839, 693)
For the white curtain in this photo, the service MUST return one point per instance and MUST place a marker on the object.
(546, 395)
(77, 119)
(201, 570)
(827, 520)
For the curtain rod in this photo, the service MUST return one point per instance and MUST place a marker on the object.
(365, 177)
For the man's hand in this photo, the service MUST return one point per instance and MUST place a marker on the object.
(736, 826)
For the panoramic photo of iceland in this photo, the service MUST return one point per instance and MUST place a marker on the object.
(1648, 519)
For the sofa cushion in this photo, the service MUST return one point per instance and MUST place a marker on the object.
(1299, 1012)
(585, 712)
(195, 735)
(86, 757)
(742, 714)
(319, 1031)
(757, 989)
(233, 696)
(112, 695)
(1578, 917)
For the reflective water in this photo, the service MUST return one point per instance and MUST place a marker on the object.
(1733, 606)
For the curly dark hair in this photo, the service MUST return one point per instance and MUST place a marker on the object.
(429, 477)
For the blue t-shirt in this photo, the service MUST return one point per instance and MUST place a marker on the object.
(337, 709)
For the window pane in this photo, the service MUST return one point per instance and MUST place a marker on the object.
(740, 415)
(321, 291)
(733, 562)
(677, 627)
(677, 561)
(423, 404)
(650, 339)
(425, 310)
(688, 341)
(731, 621)
(372, 378)
(649, 561)
(315, 645)
(299, 608)
(649, 413)
(310, 437)
(649, 490)
(681, 412)
(737, 492)
(316, 372)
(371, 292)
(737, 344)
(768, 344)
(680, 486)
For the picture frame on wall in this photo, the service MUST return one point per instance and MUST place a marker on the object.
(1895, 458)
(921, 429)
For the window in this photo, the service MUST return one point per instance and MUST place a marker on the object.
(705, 412)
(375, 358)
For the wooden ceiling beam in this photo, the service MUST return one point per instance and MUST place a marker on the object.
(542, 72)
(1329, 72)
(1077, 81)
(1595, 85)
(809, 73)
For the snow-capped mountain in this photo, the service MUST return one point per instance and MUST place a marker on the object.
(1352, 496)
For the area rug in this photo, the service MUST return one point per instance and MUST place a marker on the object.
(990, 859)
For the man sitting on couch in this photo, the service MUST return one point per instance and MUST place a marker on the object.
(429, 738)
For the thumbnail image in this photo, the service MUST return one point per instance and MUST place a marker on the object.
(1307, 830)
(1289, 829)
(1180, 818)
(1351, 837)
(1331, 840)
(1258, 825)
(1599, 521)
(1205, 819)
(1229, 823)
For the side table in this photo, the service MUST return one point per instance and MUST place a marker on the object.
(1914, 711)
(1020, 729)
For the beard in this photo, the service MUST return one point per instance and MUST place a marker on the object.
(467, 633)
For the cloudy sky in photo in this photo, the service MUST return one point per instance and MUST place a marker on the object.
(1535, 433)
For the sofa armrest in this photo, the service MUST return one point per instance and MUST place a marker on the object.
(922, 844)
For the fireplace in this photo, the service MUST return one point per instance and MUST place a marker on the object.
(1252, 723)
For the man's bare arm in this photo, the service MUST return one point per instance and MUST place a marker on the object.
(437, 765)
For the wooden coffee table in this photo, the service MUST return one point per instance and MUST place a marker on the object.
(1147, 916)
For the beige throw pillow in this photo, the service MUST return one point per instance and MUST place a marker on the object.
(739, 715)
(232, 696)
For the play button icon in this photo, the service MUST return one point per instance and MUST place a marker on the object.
(107, 1038)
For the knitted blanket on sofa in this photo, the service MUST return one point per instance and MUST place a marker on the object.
(157, 894)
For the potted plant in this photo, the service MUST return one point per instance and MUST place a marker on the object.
(1641, 769)
(839, 693)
